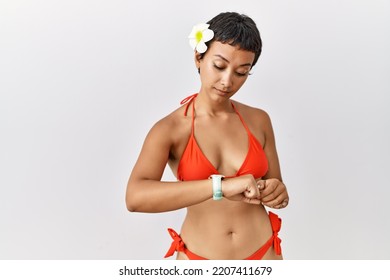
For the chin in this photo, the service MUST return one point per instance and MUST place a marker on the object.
(223, 93)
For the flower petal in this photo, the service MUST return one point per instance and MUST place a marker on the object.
(193, 43)
(198, 27)
(201, 47)
(201, 26)
(193, 32)
(208, 35)
(199, 35)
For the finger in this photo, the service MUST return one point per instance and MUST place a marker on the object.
(279, 201)
(271, 196)
(251, 200)
(252, 191)
(269, 187)
(285, 203)
(273, 190)
(260, 184)
(273, 206)
(282, 205)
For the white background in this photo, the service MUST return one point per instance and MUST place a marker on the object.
(82, 82)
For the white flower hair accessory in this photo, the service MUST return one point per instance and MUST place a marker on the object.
(199, 35)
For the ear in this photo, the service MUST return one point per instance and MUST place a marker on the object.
(197, 58)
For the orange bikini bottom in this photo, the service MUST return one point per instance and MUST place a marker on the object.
(179, 246)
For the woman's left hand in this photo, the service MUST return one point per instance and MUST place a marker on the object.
(273, 193)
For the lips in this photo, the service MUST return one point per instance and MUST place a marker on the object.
(222, 91)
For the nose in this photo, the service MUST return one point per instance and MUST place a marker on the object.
(226, 80)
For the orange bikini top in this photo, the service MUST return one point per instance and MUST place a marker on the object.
(194, 165)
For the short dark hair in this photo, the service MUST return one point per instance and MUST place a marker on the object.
(236, 30)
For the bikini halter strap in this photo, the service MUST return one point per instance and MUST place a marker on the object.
(188, 100)
(241, 118)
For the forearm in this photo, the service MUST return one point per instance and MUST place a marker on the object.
(154, 196)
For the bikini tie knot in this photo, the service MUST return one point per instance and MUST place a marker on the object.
(188, 100)
(276, 223)
(177, 243)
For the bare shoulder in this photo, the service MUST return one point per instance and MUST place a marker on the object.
(254, 117)
(171, 128)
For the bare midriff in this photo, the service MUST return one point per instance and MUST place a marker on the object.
(226, 230)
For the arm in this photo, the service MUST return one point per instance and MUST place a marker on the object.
(146, 193)
(273, 190)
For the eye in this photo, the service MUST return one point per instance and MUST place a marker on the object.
(242, 74)
(218, 67)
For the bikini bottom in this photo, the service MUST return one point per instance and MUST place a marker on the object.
(179, 246)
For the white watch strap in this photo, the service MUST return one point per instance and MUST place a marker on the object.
(217, 186)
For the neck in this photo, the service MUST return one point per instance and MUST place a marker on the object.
(208, 105)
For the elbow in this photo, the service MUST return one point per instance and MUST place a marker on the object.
(137, 198)
(131, 204)
(131, 200)
(130, 207)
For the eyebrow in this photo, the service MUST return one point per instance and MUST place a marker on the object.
(221, 57)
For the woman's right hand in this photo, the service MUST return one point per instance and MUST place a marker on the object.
(243, 188)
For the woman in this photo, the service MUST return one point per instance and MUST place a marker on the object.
(222, 152)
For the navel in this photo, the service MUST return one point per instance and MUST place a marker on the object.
(231, 234)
